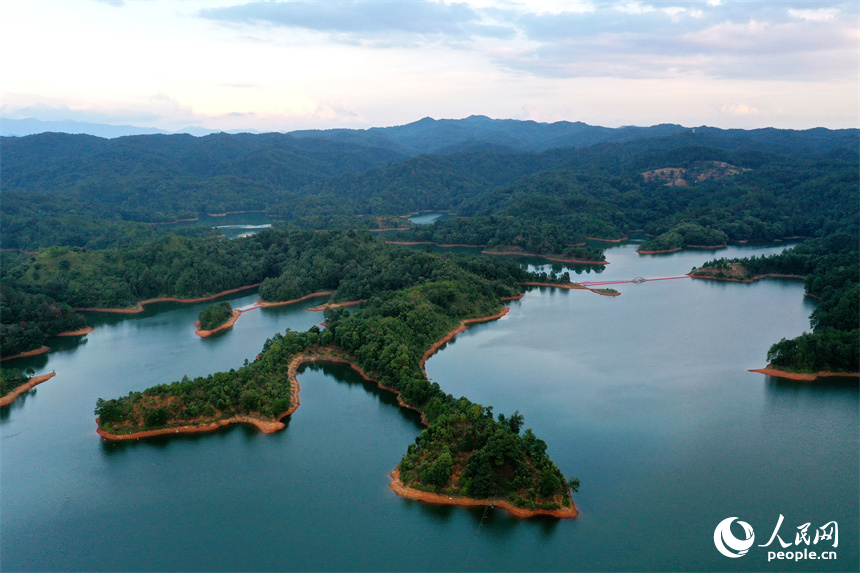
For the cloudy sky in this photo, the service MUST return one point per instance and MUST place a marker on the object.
(270, 66)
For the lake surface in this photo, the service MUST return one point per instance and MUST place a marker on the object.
(645, 397)
(231, 225)
(430, 217)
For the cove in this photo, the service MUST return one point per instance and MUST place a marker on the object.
(645, 397)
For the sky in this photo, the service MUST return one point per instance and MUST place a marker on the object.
(286, 65)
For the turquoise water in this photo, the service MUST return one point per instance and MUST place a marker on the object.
(645, 397)
(430, 218)
(231, 225)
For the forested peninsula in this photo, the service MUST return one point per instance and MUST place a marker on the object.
(466, 451)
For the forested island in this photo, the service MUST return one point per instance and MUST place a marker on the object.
(216, 318)
(87, 224)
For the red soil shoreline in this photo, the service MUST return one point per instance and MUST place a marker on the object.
(265, 304)
(268, 426)
(444, 246)
(448, 337)
(403, 490)
(141, 304)
(322, 307)
(547, 257)
(265, 426)
(40, 350)
(749, 280)
(803, 376)
(307, 358)
(572, 286)
(681, 249)
(78, 332)
(223, 327)
(565, 286)
(32, 382)
(621, 240)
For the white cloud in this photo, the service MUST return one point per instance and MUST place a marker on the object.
(819, 15)
(738, 109)
(282, 65)
(634, 8)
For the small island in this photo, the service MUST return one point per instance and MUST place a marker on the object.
(216, 318)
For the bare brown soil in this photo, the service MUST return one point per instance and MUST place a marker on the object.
(411, 493)
(698, 171)
(335, 305)
(621, 240)
(141, 304)
(802, 376)
(40, 350)
(32, 382)
(223, 327)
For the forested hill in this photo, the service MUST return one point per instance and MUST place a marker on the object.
(156, 177)
(478, 132)
(316, 182)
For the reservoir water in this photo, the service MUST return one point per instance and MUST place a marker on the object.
(645, 397)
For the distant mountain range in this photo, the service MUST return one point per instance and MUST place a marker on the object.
(478, 133)
(30, 126)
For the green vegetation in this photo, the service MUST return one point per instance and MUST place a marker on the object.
(215, 315)
(28, 319)
(386, 337)
(260, 388)
(685, 235)
(832, 274)
(288, 263)
(506, 233)
(11, 378)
